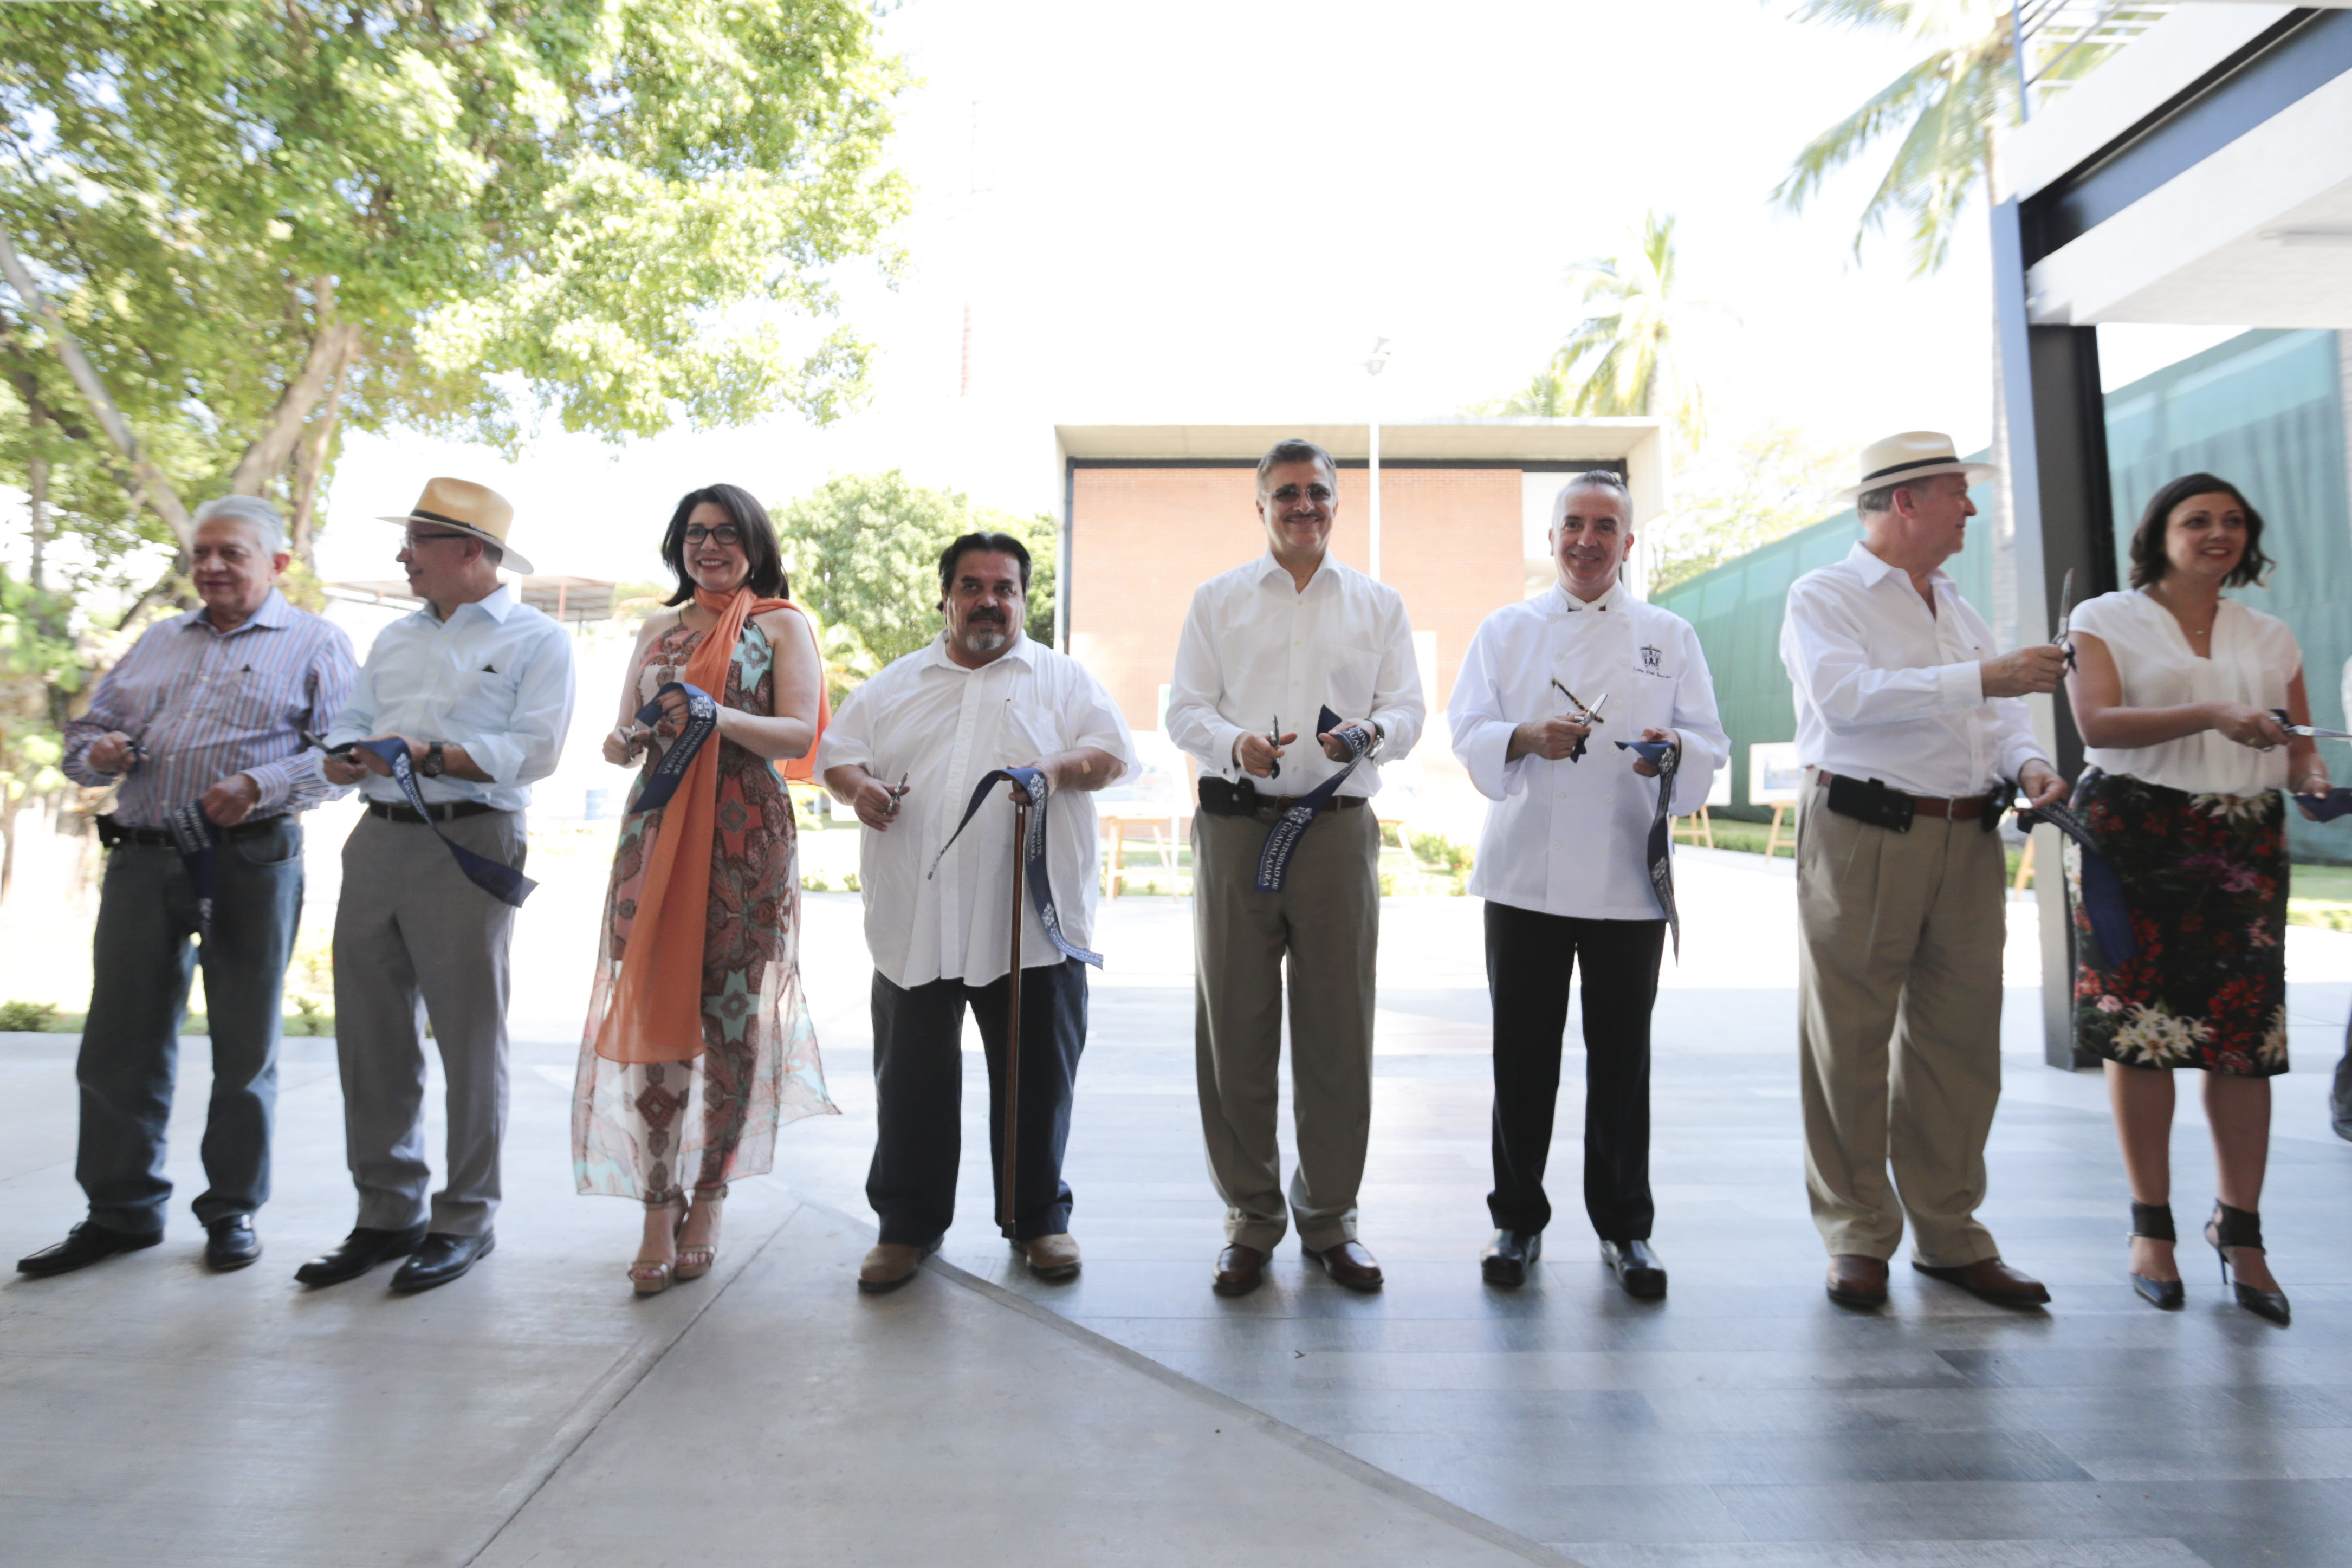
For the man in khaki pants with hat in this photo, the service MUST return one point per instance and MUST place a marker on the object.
(1910, 729)
(478, 687)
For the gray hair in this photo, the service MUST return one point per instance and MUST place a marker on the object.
(1593, 480)
(1294, 450)
(267, 526)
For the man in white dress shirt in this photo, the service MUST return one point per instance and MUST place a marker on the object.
(478, 686)
(1910, 729)
(1266, 649)
(905, 751)
(1564, 869)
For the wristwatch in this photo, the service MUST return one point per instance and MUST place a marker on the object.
(436, 762)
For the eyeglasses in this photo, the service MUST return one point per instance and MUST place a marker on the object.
(725, 533)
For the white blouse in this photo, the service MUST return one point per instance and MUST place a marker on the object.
(2255, 658)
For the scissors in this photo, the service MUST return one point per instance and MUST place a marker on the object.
(2314, 732)
(2066, 616)
(343, 751)
(897, 794)
(1590, 713)
(1273, 737)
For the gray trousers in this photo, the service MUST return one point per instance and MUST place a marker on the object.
(1326, 922)
(416, 940)
(1898, 1025)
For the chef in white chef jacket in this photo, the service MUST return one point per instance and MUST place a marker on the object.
(1564, 865)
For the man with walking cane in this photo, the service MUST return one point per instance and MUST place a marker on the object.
(924, 753)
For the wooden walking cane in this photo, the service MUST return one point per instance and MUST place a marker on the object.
(1013, 1013)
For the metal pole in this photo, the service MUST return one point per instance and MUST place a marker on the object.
(1376, 490)
(1005, 1210)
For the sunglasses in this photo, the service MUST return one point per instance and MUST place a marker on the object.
(725, 533)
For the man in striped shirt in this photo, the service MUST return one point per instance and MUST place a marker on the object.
(200, 719)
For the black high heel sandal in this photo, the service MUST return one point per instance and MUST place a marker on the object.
(2236, 1228)
(2153, 1222)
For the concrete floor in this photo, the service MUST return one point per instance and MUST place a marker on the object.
(534, 1412)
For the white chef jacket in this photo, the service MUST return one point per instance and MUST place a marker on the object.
(1255, 648)
(1572, 838)
(494, 677)
(1887, 690)
(944, 727)
(2255, 658)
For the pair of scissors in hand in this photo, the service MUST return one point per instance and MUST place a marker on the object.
(1587, 714)
(2066, 617)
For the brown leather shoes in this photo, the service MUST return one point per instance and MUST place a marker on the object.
(1350, 1263)
(1857, 1281)
(891, 1265)
(1051, 1256)
(1240, 1271)
(1990, 1279)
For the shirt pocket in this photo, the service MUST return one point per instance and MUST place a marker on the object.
(1352, 675)
(481, 701)
(1027, 731)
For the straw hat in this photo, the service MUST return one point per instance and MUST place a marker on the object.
(1913, 455)
(474, 510)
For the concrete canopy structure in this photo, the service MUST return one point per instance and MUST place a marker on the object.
(1151, 512)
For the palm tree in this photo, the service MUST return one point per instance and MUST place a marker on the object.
(1622, 358)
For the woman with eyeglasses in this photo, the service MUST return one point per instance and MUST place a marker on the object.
(698, 1044)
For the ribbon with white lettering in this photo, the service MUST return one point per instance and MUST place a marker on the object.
(2103, 894)
(192, 835)
(501, 881)
(1033, 853)
(1666, 756)
(701, 721)
(1282, 838)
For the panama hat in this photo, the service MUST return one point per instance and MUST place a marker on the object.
(1913, 455)
(475, 511)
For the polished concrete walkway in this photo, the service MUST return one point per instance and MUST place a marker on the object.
(533, 1413)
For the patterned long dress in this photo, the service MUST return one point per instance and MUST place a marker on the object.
(650, 1130)
(2205, 879)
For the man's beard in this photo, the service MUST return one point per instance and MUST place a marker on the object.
(985, 637)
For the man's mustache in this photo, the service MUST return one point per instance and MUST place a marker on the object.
(994, 617)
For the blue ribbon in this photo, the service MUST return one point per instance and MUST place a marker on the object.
(192, 835)
(1282, 838)
(2326, 807)
(702, 721)
(2103, 892)
(501, 881)
(1033, 852)
(1664, 756)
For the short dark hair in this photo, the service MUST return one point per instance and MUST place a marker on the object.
(2149, 561)
(743, 510)
(1294, 450)
(985, 544)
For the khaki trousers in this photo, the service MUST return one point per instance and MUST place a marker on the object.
(1898, 1028)
(1327, 923)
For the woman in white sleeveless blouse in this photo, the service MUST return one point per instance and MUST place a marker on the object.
(2178, 695)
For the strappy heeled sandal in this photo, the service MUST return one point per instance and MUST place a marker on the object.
(652, 1276)
(2153, 1222)
(2231, 1227)
(694, 1262)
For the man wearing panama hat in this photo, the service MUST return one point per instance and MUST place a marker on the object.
(477, 687)
(1912, 734)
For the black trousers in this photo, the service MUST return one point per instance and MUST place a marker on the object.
(1529, 957)
(919, 1086)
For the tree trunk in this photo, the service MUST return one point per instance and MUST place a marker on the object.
(160, 491)
(309, 464)
(332, 344)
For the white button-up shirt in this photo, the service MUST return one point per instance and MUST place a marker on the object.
(1256, 648)
(1572, 838)
(1887, 690)
(494, 677)
(943, 727)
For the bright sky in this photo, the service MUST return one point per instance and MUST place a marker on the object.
(1208, 212)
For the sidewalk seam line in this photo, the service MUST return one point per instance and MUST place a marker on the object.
(1324, 1452)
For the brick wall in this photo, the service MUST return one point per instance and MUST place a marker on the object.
(1143, 538)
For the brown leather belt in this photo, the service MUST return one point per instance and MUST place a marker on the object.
(1958, 809)
(444, 811)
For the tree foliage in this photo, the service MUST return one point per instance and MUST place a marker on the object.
(864, 554)
(1769, 486)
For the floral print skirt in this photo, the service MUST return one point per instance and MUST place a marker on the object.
(2205, 877)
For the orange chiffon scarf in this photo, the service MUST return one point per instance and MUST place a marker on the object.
(656, 1014)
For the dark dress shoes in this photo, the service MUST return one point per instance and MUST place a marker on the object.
(1856, 1281)
(1990, 1279)
(1240, 1271)
(1505, 1260)
(84, 1244)
(1350, 1263)
(362, 1250)
(230, 1243)
(1636, 1267)
(441, 1257)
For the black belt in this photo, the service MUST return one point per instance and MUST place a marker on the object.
(1220, 797)
(111, 833)
(447, 811)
